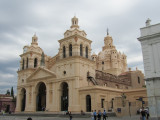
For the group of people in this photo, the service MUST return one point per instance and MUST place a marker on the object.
(97, 115)
(144, 114)
(70, 114)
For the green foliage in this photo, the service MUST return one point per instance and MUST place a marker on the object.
(12, 92)
(8, 92)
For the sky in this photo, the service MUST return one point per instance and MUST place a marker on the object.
(49, 19)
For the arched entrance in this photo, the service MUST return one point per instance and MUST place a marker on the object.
(23, 99)
(88, 103)
(64, 97)
(41, 97)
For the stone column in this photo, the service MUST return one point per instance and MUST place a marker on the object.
(18, 101)
(73, 97)
(30, 63)
(34, 105)
(27, 99)
(47, 97)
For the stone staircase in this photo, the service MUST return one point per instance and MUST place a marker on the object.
(59, 114)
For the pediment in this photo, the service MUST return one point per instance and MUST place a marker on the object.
(41, 73)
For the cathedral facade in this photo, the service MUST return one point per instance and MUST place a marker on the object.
(74, 79)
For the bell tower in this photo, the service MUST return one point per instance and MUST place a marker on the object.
(74, 22)
(30, 60)
(75, 54)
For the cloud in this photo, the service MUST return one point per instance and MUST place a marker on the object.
(50, 19)
(6, 76)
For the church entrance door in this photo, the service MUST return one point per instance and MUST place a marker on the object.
(88, 103)
(41, 97)
(64, 97)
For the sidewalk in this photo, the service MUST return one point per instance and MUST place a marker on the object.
(60, 118)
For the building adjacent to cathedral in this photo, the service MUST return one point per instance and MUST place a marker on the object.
(75, 79)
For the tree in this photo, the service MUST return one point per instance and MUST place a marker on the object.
(8, 92)
(12, 92)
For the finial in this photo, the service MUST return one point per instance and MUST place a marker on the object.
(148, 22)
(107, 31)
(34, 34)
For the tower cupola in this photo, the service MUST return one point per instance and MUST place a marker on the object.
(74, 21)
(108, 40)
(34, 40)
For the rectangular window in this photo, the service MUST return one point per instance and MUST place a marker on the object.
(102, 103)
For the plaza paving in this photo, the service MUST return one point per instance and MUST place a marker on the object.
(61, 118)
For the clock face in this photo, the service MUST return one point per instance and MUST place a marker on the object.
(25, 50)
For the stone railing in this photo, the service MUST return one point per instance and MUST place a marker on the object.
(125, 79)
(74, 54)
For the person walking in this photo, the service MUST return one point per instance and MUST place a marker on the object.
(70, 115)
(29, 118)
(104, 115)
(99, 115)
(147, 112)
(95, 115)
(92, 115)
(143, 114)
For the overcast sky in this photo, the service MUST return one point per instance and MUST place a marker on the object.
(20, 19)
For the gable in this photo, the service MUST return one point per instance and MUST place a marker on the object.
(41, 73)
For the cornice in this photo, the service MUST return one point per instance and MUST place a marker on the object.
(153, 78)
(147, 37)
(29, 52)
(76, 35)
(73, 57)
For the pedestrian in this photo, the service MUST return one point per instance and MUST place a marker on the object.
(147, 112)
(29, 118)
(92, 115)
(70, 116)
(143, 114)
(3, 112)
(104, 115)
(95, 115)
(99, 115)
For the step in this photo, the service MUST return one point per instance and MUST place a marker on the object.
(60, 114)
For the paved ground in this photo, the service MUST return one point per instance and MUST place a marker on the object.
(61, 118)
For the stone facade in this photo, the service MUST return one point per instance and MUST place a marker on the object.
(75, 80)
(150, 42)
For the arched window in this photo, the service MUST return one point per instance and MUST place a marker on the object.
(23, 65)
(88, 103)
(23, 99)
(70, 50)
(81, 50)
(35, 62)
(86, 52)
(64, 96)
(27, 63)
(139, 80)
(64, 51)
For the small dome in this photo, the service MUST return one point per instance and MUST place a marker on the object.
(94, 54)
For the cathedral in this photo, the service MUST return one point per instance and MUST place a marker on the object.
(76, 80)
